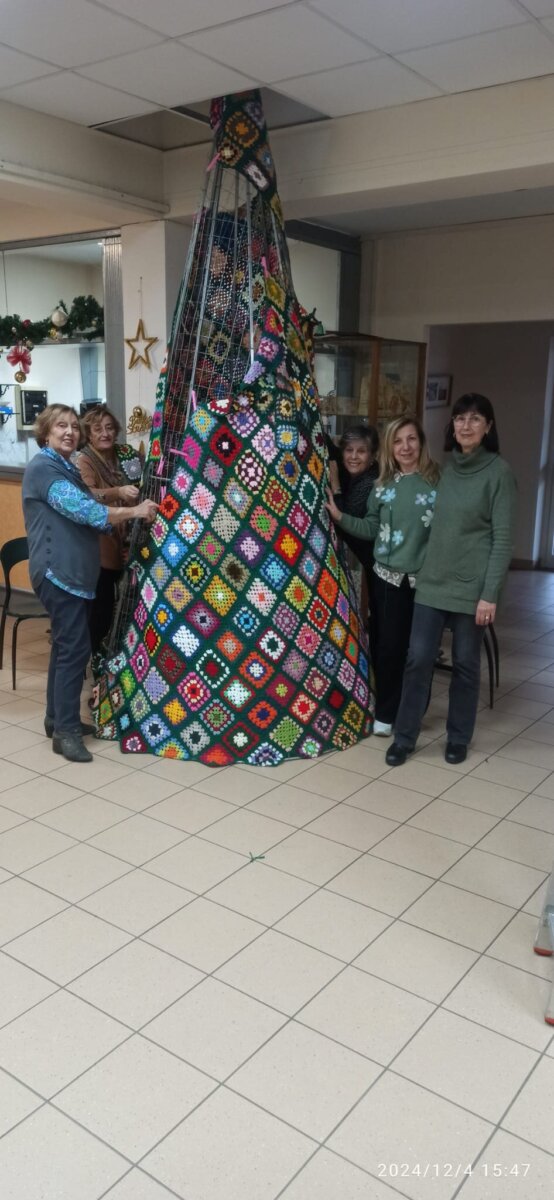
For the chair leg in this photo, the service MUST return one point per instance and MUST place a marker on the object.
(2, 629)
(488, 652)
(495, 651)
(14, 652)
(544, 941)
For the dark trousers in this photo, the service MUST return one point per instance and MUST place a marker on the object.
(69, 623)
(427, 629)
(391, 621)
(103, 607)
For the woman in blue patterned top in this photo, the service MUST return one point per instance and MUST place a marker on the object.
(398, 517)
(63, 522)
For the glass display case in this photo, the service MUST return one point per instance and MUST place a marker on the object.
(365, 379)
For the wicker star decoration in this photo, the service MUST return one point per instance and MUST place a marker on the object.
(135, 343)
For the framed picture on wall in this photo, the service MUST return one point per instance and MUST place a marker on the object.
(439, 389)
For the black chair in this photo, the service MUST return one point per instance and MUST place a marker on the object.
(490, 642)
(20, 606)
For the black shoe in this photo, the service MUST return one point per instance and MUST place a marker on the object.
(70, 744)
(86, 730)
(455, 753)
(396, 755)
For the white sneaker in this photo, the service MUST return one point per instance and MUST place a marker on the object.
(382, 730)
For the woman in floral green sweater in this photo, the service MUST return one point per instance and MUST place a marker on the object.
(398, 518)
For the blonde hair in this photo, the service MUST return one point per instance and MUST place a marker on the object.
(93, 416)
(388, 466)
(48, 417)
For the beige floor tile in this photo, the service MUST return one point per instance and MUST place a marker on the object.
(434, 755)
(510, 1001)
(33, 801)
(12, 776)
(523, 750)
(352, 826)
(66, 945)
(135, 790)
(329, 1177)
(303, 1078)
(49, 1147)
(204, 934)
(380, 884)
(135, 1096)
(136, 983)
(39, 758)
(533, 709)
(9, 819)
(83, 817)
(333, 782)
(24, 906)
(284, 771)
(229, 1149)
(546, 788)
(279, 971)
(387, 800)
(367, 758)
(419, 961)
(515, 946)
(185, 774)
(523, 1170)
(493, 798)
(20, 989)
(366, 1014)
(496, 878)
(461, 916)
(247, 832)
(314, 859)
(532, 847)
(414, 848)
(137, 901)
(459, 1060)
(420, 777)
(16, 1102)
(536, 811)
(137, 1186)
(334, 924)
(214, 1027)
(261, 893)
(287, 803)
(540, 731)
(29, 844)
(190, 811)
(535, 691)
(77, 872)
(21, 710)
(431, 1130)
(196, 864)
(451, 820)
(530, 1116)
(138, 839)
(235, 785)
(510, 773)
(47, 1063)
(92, 777)
(536, 902)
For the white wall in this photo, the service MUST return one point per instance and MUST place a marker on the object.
(32, 285)
(316, 278)
(509, 364)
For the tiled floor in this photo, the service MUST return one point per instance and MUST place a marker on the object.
(314, 983)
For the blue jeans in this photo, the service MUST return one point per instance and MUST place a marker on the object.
(427, 630)
(69, 623)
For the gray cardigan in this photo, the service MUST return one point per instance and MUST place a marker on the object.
(56, 543)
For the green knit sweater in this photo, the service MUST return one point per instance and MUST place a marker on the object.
(398, 517)
(470, 545)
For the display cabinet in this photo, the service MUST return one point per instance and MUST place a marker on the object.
(366, 379)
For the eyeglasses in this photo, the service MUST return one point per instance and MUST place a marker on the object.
(472, 417)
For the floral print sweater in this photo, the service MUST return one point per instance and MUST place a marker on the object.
(398, 518)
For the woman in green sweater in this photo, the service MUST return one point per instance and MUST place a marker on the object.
(398, 517)
(465, 566)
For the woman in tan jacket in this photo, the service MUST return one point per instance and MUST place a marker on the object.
(112, 472)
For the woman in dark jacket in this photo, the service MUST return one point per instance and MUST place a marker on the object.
(63, 521)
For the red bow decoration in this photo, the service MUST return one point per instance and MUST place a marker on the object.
(19, 356)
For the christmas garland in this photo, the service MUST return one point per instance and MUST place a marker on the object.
(85, 318)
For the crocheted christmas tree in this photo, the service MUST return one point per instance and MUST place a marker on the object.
(239, 636)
